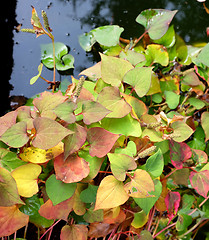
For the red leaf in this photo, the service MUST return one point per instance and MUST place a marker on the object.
(59, 211)
(7, 121)
(11, 219)
(73, 169)
(101, 141)
(200, 182)
(172, 201)
(75, 141)
(179, 153)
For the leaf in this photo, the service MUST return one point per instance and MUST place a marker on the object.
(138, 107)
(8, 189)
(172, 201)
(31, 208)
(140, 79)
(126, 126)
(59, 191)
(110, 98)
(37, 155)
(199, 156)
(35, 78)
(120, 163)
(60, 211)
(89, 194)
(26, 177)
(65, 111)
(140, 185)
(73, 169)
(93, 112)
(156, 21)
(101, 141)
(107, 35)
(92, 216)
(172, 99)
(140, 219)
(87, 41)
(145, 235)
(205, 125)
(129, 150)
(181, 130)
(7, 121)
(94, 164)
(179, 153)
(48, 133)
(132, 56)
(113, 69)
(11, 219)
(147, 203)
(16, 135)
(35, 22)
(110, 193)
(63, 61)
(203, 55)
(200, 182)
(168, 39)
(79, 207)
(9, 160)
(93, 72)
(155, 164)
(157, 54)
(183, 222)
(97, 230)
(73, 142)
(74, 232)
(47, 102)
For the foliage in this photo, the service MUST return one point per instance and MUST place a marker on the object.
(123, 152)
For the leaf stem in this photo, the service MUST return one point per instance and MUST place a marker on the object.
(137, 40)
(50, 228)
(169, 226)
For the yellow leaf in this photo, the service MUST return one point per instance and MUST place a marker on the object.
(37, 155)
(140, 185)
(26, 179)
(110, 193)
(140, 219)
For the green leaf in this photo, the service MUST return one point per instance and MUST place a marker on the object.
(183, 222)
(155, 164)
(156, 21)
(140, 79)
(87, 41)
(63, 61)
(65, 111)
(147, 203)
(8, 189)
(110, 193)
(59, 191)
(168, 39)
(203, 55)
(127, 126)
(7, 121)
(16, 135)
(110, 98)
(197, 103)
(35, 78)
(130, 149)
(181, 131)
(31, 208)
(133, 57)
(205, 125)
(145, 235)
(92, 216)
(140, 219)
(107, 35)
(198, 141)
(48, 133)
(120, 163)
(157, 54)
(113, 69)
(172, 99)
(89, 194)
(141, 185)
(93, 112)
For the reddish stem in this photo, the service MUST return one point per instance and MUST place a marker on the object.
(50, 228)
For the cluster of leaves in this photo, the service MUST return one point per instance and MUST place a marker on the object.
(122, 153)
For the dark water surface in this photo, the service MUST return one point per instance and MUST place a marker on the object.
(69, 19)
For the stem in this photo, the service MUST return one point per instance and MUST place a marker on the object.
(25, 232)
(49, 229)
(169, 226)
(151, 215)
(169, 174)
(54, 71)
(136, 41)
(45, 79)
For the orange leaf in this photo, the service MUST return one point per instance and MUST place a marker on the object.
(11, 219)
(74, 232)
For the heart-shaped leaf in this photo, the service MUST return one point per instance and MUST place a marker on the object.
(8, 189)
(7, 121)
(110, 193)
(26, 179)
(181, 131)
(155, 164)
(48, 133)
(140, 79)
(172, 201)
(205, 125)
(140, 185)
(74, 232)
(140, 219)
(157, 54)
(65, 111)
(59, 191)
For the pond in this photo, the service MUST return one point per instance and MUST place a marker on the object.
(69, 19)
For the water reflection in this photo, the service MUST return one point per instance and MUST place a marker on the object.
(70, 18)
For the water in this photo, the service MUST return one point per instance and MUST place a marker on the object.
(69, 19)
